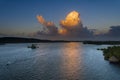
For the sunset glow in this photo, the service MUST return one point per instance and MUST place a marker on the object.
(62, 31)
(71, 61)
(42, 21)
(71, 20)
(71, 24)
(59, 39)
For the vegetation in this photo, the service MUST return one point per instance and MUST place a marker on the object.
(113, 51)
(4, 40)
(102, 42)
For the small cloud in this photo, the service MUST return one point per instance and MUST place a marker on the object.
(114, 31)
(49, 27)
(112, 34)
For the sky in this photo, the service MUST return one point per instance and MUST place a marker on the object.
(19, 16)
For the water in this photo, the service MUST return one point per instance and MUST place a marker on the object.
(55, 61)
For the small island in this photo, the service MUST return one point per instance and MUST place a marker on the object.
(33, 46)
(112, 54)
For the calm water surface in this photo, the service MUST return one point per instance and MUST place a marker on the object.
(55, 61)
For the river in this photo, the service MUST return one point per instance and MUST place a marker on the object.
(56, 61)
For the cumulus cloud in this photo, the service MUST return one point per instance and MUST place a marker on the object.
(114, 31)
(49, 27)
(112, 34)
(70, 28)
(72, 20)
(73, 26)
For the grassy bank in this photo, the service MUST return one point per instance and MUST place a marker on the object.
(112, 52)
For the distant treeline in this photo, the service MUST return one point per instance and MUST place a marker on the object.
(20, 40)
(26, 40)
(33, 40)
(101, 42)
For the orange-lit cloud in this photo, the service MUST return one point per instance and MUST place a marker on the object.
(41, 19)
(43, 22)
(71, 27)
(49, 27)
(62, 31)
(71, 20)
(72, 23)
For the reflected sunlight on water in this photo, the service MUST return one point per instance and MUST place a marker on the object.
(56, 61)
(71, 60)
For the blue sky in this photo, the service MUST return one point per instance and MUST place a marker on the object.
(17, 16)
